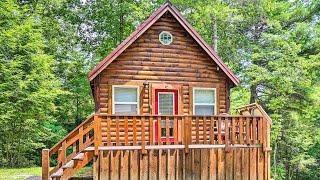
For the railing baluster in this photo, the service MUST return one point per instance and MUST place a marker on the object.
(197, 130)
(248, 130)
(117, 131)
(260, 130)
(109, 131)
(74, 148)
(240, 131)
(254, 130)
(134, 130)
(167, 130)
(81, 138)
(151, 130)
(233, 135)
(143, 142)
(188, 133)
(175, 129)
(159, 130)
(63, 152)
(59, 160)
(182, 130)
(212, 134)
(126, 134)
(204, 130)
(219, 130)
(226, 131)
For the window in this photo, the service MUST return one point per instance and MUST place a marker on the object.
(165, 38)
(166, 103)
(204, 101)
(125, 100)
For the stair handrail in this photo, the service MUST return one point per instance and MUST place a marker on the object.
(78, 134)
(55, 148)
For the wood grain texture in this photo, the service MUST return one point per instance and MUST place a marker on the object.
(182, 62)
(198, 164)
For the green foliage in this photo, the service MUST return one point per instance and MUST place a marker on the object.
(47, 47)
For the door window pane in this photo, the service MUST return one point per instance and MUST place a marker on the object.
(166, 104)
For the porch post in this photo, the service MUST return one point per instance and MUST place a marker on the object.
(45, 164)
(97, 134)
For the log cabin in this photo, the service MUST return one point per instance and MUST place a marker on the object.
(162, 112)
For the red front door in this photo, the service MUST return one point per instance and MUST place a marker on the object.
(166, 103)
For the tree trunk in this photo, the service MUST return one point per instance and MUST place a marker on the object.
(214, 36)
(253, 94)
(121, 23)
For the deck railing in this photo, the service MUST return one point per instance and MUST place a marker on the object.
(145, 132)
(151, 131)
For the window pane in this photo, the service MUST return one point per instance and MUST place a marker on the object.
(204, 110)
(165, 104)
(125, 109)
(165, 38)
(204, 96)
(125, 94)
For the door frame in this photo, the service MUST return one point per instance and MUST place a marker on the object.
(175, 109)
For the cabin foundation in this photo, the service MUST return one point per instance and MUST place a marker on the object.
(214, 163)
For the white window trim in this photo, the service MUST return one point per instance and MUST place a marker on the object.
(125, 86)
(172, 101)
(193, 99)
(162, 32)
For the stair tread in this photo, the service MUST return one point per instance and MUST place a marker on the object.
(59, 173)
(79, 156)
(70, 164)
(90, 148)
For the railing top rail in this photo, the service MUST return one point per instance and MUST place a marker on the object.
(130, 115)
(56, 146)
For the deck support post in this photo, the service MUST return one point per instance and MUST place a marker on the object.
(45, 164)
(96, 167)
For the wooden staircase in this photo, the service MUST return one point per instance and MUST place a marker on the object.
(72, 153)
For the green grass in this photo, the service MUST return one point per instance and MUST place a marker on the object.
(19, 173)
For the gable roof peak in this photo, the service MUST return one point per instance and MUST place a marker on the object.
(145, 26)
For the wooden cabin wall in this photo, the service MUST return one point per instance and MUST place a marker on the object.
(183, 63)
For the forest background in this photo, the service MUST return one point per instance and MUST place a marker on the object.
(47, 47)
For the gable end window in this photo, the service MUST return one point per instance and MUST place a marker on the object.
(125, 100)
(165, 38)
(204, 101)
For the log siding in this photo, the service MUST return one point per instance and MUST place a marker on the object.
(183, 63)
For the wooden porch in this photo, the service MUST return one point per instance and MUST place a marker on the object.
(165, 147)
